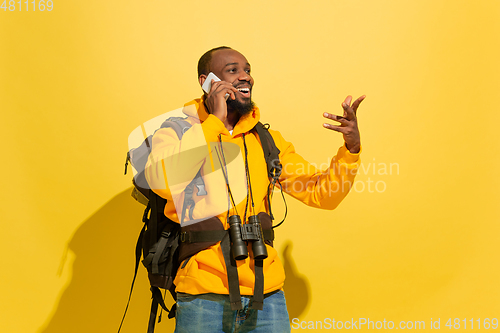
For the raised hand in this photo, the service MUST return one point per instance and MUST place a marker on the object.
(348, 123)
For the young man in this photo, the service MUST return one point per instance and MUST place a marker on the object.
(223, 147)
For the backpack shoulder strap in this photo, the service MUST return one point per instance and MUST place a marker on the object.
(274, 167)
(139, 156)
(178, 124)
(271, 152)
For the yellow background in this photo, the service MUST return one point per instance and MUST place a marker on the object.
(74, 82)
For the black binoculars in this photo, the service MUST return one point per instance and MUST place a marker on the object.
(252, 231)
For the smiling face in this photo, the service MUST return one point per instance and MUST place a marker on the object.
(231, 66)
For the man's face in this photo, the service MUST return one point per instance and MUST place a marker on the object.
(231, 66)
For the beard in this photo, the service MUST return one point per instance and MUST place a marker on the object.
(242, 108)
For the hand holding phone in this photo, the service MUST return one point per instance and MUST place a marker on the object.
(207, 85)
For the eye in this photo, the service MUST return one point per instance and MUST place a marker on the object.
(232, 70)
(247, 71)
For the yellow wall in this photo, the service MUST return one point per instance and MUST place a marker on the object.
(74, 82)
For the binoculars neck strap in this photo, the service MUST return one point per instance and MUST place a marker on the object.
(233, 280)
(258, 289)
(232, 274)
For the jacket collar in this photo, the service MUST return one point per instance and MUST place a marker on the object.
(196, 108)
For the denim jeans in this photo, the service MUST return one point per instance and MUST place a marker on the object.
(211, 313)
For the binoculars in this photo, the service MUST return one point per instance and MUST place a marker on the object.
(252, 231)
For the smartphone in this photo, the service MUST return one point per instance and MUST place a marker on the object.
(207, 85)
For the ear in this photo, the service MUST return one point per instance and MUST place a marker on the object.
(202, 79)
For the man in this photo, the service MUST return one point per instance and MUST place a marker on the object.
(236, 182)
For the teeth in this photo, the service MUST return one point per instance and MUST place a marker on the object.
(244, 89)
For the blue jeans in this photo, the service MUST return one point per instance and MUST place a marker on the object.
(211, 313)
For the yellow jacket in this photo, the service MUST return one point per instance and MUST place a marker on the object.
(173, 163)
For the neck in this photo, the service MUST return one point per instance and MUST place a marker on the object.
(232, 119)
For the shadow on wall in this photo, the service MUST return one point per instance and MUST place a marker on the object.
(297, 289)
(104, 248)
(95, 299)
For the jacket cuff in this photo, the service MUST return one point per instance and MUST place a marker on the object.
(347, 156)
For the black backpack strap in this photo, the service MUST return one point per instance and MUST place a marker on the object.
(271, 155)
(154, 203)
(188, 195)
(178, 124)
(163, 243)
(271, 152)
(202, 236)
(215, 236)
(157, 299)
(126, 162)
(152, 316)
(138, 249)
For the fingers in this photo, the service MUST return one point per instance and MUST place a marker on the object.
(340, 129)
(340, 119)
(223, 88)
(343, 122)
(348, 100)
(350, 111)
(357, 102)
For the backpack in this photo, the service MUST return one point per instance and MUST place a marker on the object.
(164, 246)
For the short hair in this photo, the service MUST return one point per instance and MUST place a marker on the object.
(204, 62)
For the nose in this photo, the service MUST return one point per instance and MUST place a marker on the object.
(244, 76)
